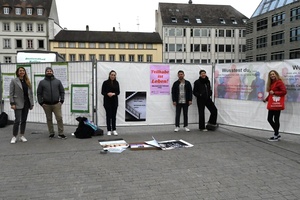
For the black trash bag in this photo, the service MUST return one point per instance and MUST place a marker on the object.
(3, 119)
(85, 131)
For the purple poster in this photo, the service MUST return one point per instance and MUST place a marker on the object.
(160, 80)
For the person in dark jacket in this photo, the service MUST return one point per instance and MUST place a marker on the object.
(202, 91)
(182, 95)
(51, 96)
(110, 91)
(21, 101)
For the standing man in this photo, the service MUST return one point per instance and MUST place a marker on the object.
(51, 95)
(182, 96)
(202, 91)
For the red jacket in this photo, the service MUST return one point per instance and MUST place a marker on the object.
(278, 88)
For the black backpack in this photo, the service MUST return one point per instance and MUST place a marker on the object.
(3, 119)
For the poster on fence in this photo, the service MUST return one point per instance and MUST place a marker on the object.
(135, 106)
(80, 98)
(6, 79)
(160, 80)
(60, 71)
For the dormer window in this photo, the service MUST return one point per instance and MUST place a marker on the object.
(222, 21)
(18, 11)
(6, 10)
(233, 21)
(39, 11)
(244, 21)
(174, 20)
(186, 20)
(199, 21)
(29, 11)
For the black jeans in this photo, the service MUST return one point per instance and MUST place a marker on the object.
(273, 119)
(111, 112)
(184, 107)
(20, 119)
(212, 109)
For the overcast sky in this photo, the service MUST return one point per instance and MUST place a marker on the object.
(127, 15)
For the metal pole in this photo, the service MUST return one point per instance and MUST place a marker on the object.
(213, 82)
(2, 101)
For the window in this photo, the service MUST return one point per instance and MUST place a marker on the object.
(41, 44)
(131, 46)
(71, 44)
(295, 34)
(186, 20)
(205, 33)
(261, 42)
(81, 57)
(40, 27)
(63, 56)
(40, 11)
(222, 21)
(277, 38)
(6, 27)
(111, 57)
(6, 10)
(92, 57)
(233, 21)
(171, 32)
(112, 45)
(198, 20)
(179, 48)
(294, 53)
(220, 48)
(179, 32)
(122, 58)
(242, 48)
(228, 48)
(62, 44)
(195, 47)
(204, 48)
(29, 44)
(262, 24)
(197, 32)
(140, 58)
(261, 57)
(29, 11)
(18, 26)
(242, 33)
(92, 45)
(295, 14)
(6, 44)
(140, 46)
(171, 47)
(18, 11)
(81, 45)
(149, 46)
(101, 57)
(277, 55)
(72, 57)
(278, 19)
(121, 46)
(19, 44)
(29, 27)
(173, 19)
(7, 59)
(149, 58)
(102, 45)
(229, 33)
(220, 33)
(131, 58)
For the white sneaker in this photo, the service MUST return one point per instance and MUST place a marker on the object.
(13, 140)
(187, 129)
(115, 132)
(203, 130)
(23, 139)
(176, 129)
(108, 132)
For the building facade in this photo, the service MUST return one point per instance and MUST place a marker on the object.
(198, 33)
(26, 25)
(108, 46)
(273, 31)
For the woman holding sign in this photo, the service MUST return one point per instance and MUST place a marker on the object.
(275, 99)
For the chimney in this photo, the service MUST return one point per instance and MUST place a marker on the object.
(87, 28)
(190, 2)
(114, 29)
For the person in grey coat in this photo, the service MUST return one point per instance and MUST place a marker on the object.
(51, 96)
(21, 101)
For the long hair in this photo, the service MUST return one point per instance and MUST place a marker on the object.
(269, 82)
(26, 79)
(112, 81)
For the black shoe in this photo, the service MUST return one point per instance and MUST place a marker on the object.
(275, 138)
(51, 136)
(62, 136)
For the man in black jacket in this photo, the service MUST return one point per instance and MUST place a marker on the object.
(51, 95)
(202, 91)
(182, 96)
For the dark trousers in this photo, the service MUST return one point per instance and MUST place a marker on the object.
(273, 119)
(184, 107)
(20, 119)
(111, 113)
(212, 109)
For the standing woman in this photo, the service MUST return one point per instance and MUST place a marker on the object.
(275, 86)
(110, 91)
(21, 101)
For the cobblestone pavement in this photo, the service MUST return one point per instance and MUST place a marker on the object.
(229, 163)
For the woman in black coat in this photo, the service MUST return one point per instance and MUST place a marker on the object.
(110, 91)
(202, 91)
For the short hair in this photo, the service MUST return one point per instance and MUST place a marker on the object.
(180, 71)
